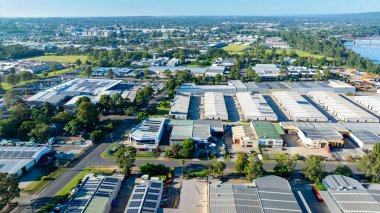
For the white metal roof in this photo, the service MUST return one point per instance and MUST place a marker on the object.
(215, 106)
(181, 104)
(254, 107)
(342, 108)
(298, 107)
(370, 102)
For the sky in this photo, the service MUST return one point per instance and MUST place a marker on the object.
(91, 8)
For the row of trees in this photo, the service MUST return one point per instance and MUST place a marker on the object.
(313, 170)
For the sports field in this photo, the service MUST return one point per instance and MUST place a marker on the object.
(61, 58)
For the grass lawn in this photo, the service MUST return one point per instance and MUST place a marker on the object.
(61, 58)
(161, 111)
(7, 86)
(302, 53)
(142, 155)
(236, 49)
(194, 66)
(70, 186)
(38, 186)
(106, 153)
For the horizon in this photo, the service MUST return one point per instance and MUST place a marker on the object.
(173, 8)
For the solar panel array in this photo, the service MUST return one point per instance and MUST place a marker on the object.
(234, 199)
(146, 197)
(93, 189)
(19, 152)
(355, 201)
(366, 136)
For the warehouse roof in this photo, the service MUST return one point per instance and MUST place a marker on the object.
(271, 194)
(371, 102)
(326, 131)
(13, 166)
(181, 132)
(181, 104)
(94, 195)
(254, 107)
(173, 122)
(350, 195)
(150, 127)
(214, 105)
(265, 130)
(374, 127)
(201, 131)
(145, 197)
(298, 107)
(21, 152)
(366, 136)
(193, 197)
(237, 84)
(342, 108)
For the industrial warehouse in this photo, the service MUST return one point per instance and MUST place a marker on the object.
(95, 194)
(343, 109)
(214, 106)
(267, 194)
(297, 107)
(235, 86)
(370, 102)
(180, 106)
(345, 194)
(255, 107)
(62, 93)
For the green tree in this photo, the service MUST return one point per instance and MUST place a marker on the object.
(78, 62)
(26, 76)
(12, 79)
(63, 117)
(219, 167)
(110, 73)
(153, 170)
(241, 163)
(88, 115)
(8, 128)
(74, 127)
(343, 170)
(9, 189)
(88, 71)
(97, 135)
(45, 74)
(176, 149)
(125, 157)
(187, 149)
(254, 169)
(25, 129)
(41, 132)
(313, 168)
(371, 164)
(285, 165)
(105, 104)
(142, 116)
(12, 98)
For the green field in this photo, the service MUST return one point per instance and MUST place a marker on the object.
(236, 49)
(61, 58)
(302, 53)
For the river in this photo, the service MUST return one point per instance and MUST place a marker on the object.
(363, 48)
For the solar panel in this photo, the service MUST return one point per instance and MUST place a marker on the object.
(137, 196)
(134, 204)
(111, 180)
(100, 194)
(132, 211)
(152, 197)
(156, 185)
(142, 190)
(150, 204)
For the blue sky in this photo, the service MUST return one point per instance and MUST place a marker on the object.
(79, 8)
